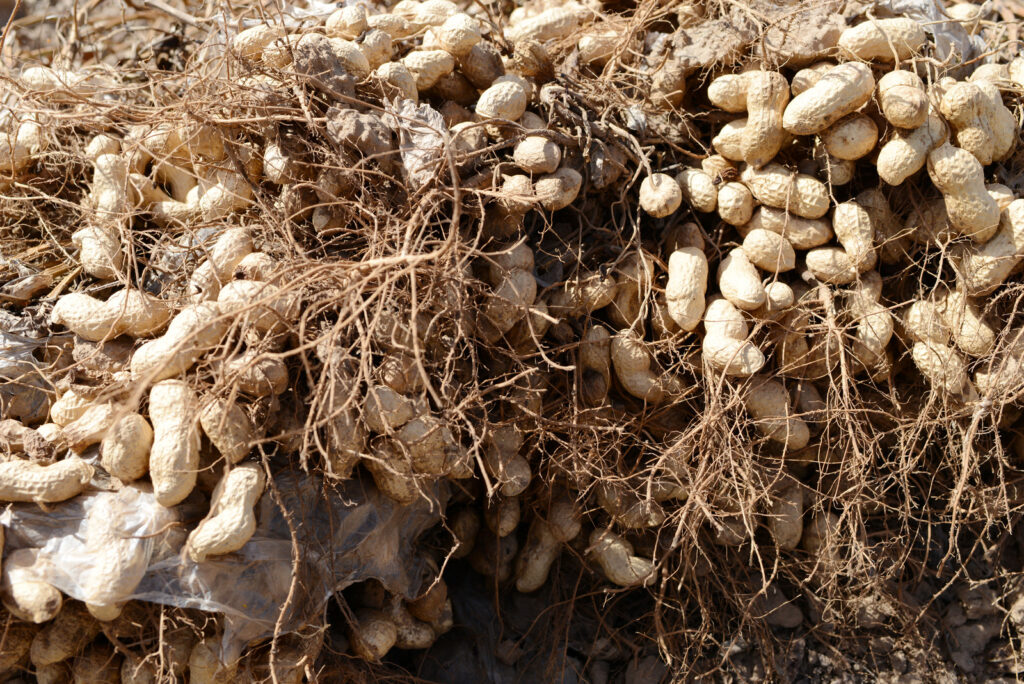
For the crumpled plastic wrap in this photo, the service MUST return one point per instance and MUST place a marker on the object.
(22, 387)
(341, 536)
(952, 42)
(421, 139)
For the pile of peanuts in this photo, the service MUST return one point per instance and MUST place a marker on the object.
(187, 384)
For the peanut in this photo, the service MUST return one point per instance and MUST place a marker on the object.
(660, 195)
(190, 334)
(982, 268)
(125, 448)
(26, 481)
(769, 251)
(851, 138)
(126, 312)
(229, 428)
(595, 365)
(24, 594)
(632, 362)
(766, 99)
(802, 233)
(903, 100)
(537, 154)
(785, 521)
(883, 40)
(971, 333)
(174, 456)
(504, 463)
(254, 373)
(739, 281)
(729, 92)
(725, 347)
(231, 520)
(628, 508)
(347, 22)
(874, 328)
(262, 307)
(372, 635)
(505, 100)
(798, 194)
(735, 203)
(960, 178)
(559, 189)
(698, 188)
(840, 91)
(206, 664)
(768, 403)
(687, 284)
(543, 545)
(614, 555)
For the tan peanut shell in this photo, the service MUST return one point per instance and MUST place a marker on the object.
(960, 178)
(256, 374)
(728, 141)
(698, 188)
(410, 633)
(372, 635)
(851, 138)
(801, 232)
(231, 520)
(941, 365)
(763, 136)
(205, 665)
(559, 189)
(840, 91)
(735, 203)
(24, 595)
(90, 427)
(769, 251)
(126, 312)
(856, 233)
(739, 281)
(595, 365)
(632, 362)
(505, 100)
(686, 286)
(537, 154)
(775, 186)
(903, 100)
(191, 333)
(883, 40)
(614, 555)
(982, 268)
(785, 522)
(874, 329)
(26, 481)
(660, 195)
(768, 403)
(725, 346)
(832, 265)
(970, 332)
(68, 408)
(229, 429)
(808, 76)
(729, 92)
(174, 456)
(125, 448)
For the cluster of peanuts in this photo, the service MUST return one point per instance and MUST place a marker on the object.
(773, 176)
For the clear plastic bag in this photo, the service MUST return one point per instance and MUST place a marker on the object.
(341, 536)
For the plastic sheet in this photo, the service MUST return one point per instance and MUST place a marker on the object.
(421, 132)
(952, 42)
(322, 541)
